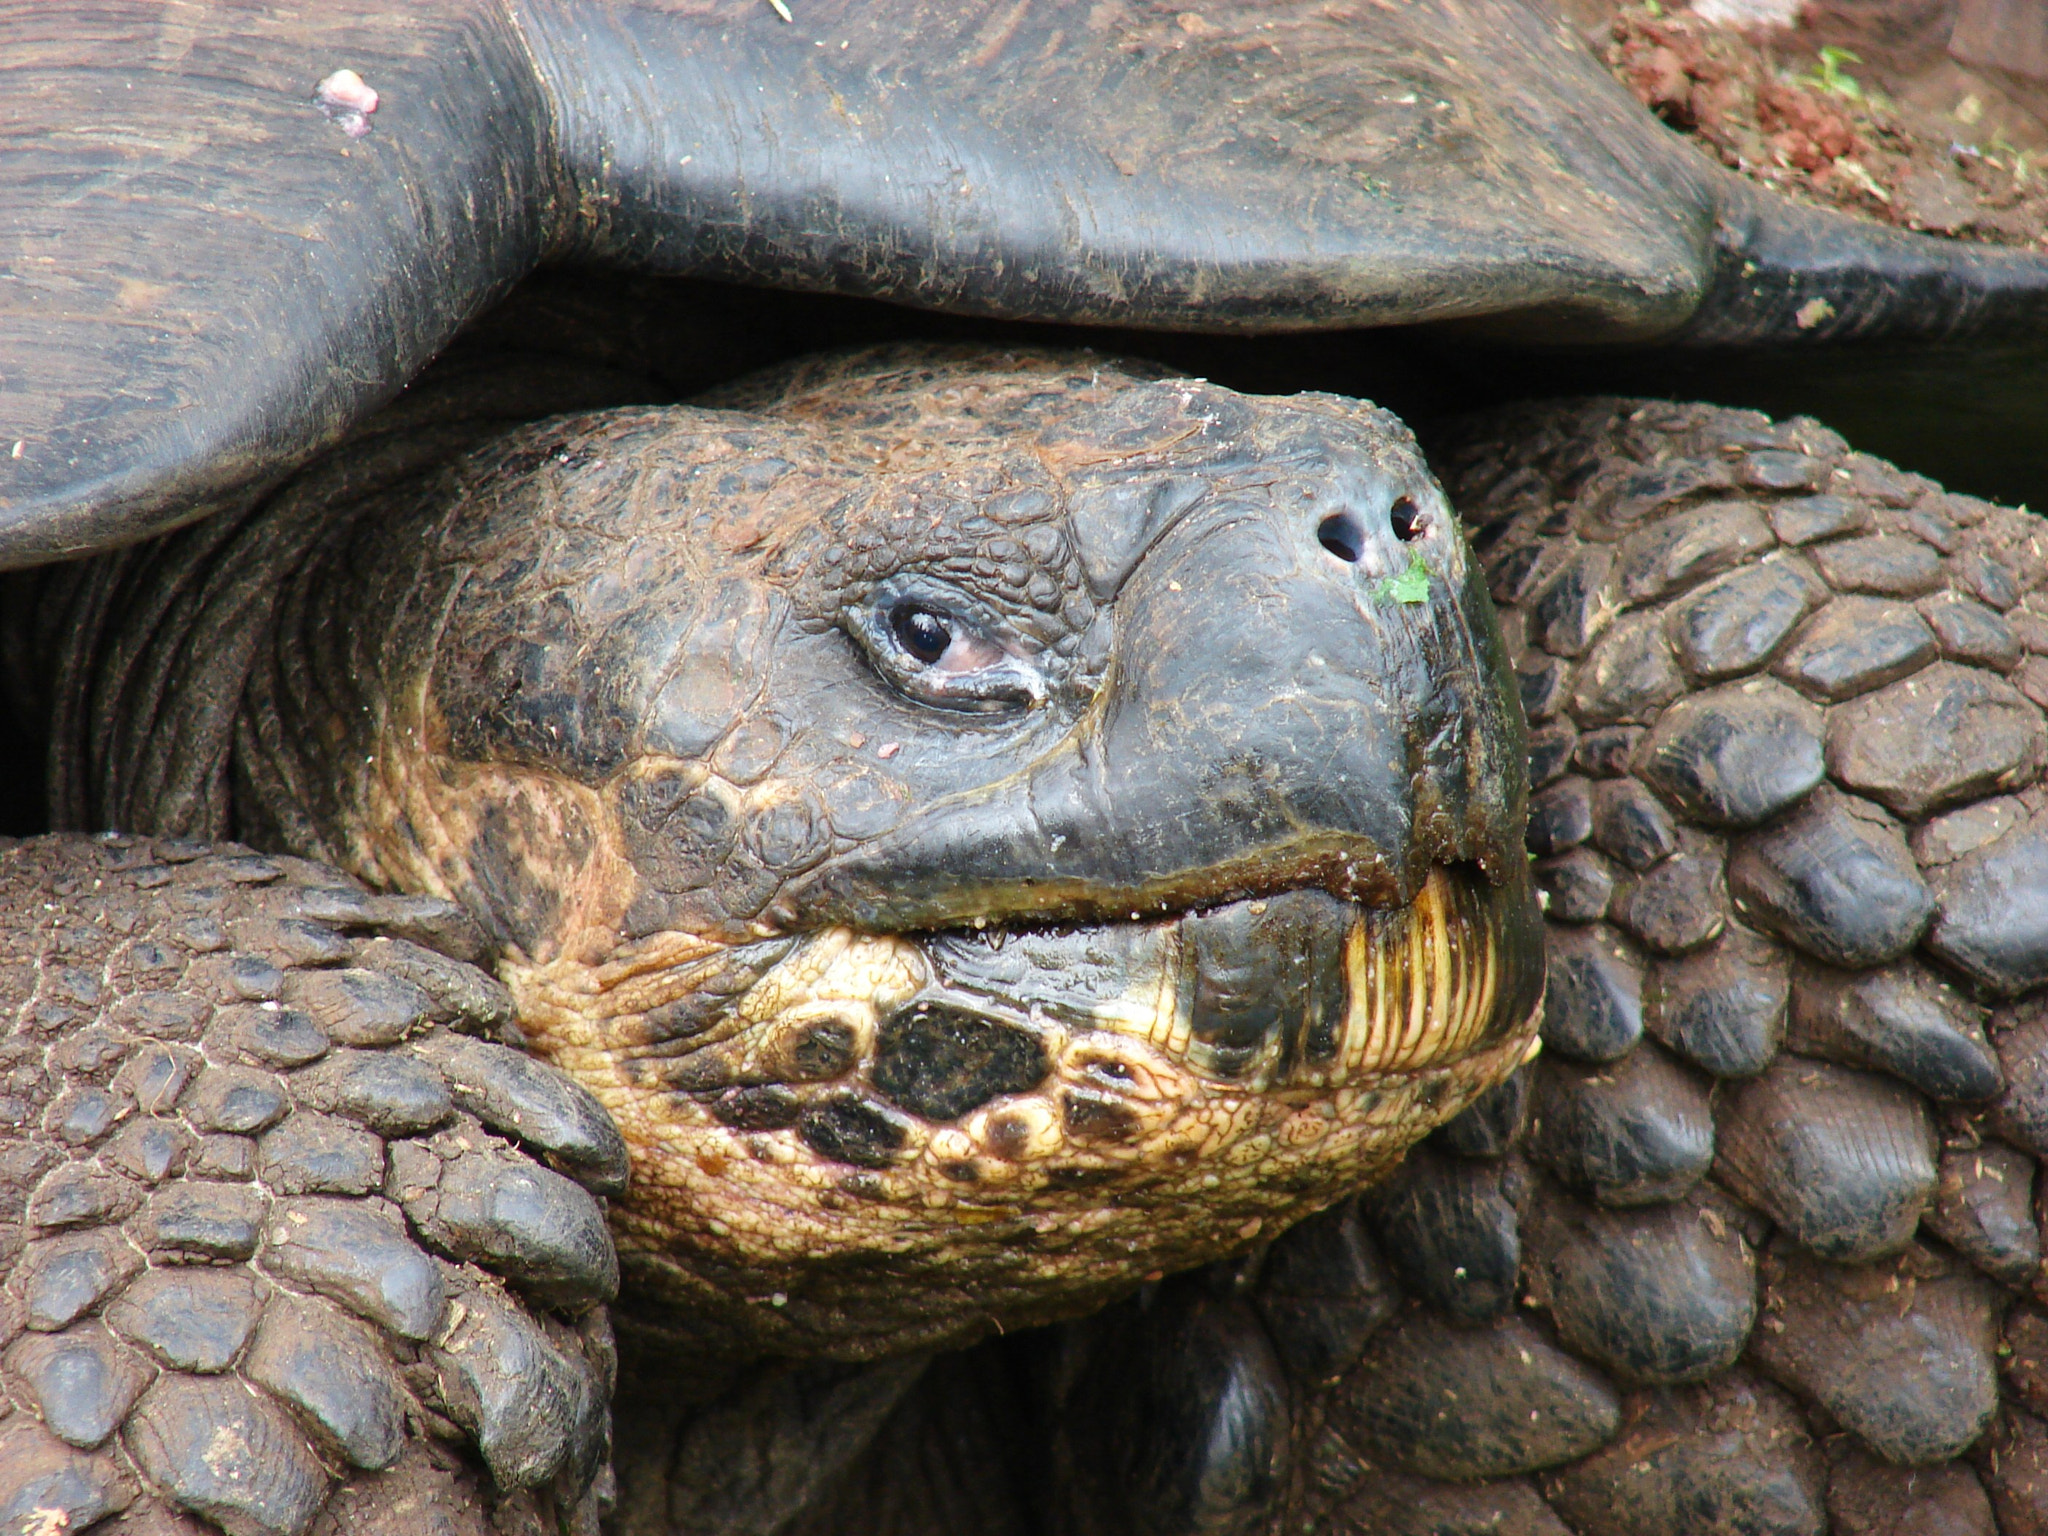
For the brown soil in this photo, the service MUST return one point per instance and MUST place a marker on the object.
(1899, 121)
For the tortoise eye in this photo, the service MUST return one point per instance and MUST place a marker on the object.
(940, 647)
(923, 633)
(944, 642)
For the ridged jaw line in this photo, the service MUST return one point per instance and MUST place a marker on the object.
(1291, 990)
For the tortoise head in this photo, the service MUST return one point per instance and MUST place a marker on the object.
(990, 830)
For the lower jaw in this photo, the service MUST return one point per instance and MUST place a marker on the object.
(867, 1213)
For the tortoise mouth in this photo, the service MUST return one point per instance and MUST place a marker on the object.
(1293, 990)
(1292, 987)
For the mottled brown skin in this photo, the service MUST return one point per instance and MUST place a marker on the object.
(1170, 897)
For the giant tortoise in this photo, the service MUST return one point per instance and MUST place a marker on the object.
(835, 956)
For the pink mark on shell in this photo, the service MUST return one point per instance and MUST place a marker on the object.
(346, 101)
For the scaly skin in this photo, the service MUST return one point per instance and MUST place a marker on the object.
(262, 1189)
(1713, 1317)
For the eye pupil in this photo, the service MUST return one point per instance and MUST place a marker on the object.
(921, 632)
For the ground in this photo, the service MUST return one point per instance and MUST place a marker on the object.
(1883, 108)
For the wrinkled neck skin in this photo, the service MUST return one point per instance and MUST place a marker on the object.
(991, 829)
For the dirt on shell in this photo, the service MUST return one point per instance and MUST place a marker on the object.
(1884, 108)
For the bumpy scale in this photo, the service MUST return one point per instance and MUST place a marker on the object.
(266, 1176)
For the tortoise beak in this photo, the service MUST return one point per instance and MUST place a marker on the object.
(1299, 695)
(1293, 990)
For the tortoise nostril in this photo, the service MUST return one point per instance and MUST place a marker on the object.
(1340, 534)
(1408, 520)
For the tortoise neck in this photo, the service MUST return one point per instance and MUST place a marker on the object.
(207, 684)
(137, 664)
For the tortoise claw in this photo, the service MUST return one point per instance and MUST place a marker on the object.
(542, 1108)
(542, 1232)
(536, 1405)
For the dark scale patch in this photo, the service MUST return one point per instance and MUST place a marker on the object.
(684, 1017)
(850, 1130)
(824, 1050)
(1091, 1117)
(757, 1109)
(940, 1062)
(522, 909)
(700, 1072)
(1009, 1136)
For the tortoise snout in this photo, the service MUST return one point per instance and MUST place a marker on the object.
(1303, 688)
(1317, 675)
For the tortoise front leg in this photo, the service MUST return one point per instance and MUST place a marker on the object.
(286, 1241)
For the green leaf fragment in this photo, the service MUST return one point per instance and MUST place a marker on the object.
(1411, 586)
(1828, 74)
